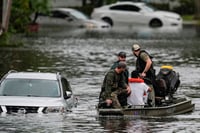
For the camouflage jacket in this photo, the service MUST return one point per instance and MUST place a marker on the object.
(125, 73)
(112, 82)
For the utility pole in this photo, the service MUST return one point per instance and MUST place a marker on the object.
(1, 16)
(7, 15)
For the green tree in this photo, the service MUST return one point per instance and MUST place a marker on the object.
(110, 1)
(187, 7)
(39, 6)
(21, 12)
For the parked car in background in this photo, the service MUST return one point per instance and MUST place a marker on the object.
(68, 17)
(135, 13)
(35, 92)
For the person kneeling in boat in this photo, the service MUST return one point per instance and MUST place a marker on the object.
(113, 85)
(139, 91)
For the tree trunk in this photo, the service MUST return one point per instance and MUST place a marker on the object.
(197, 5)
(35, 18)
(84, 2)
(92, 2)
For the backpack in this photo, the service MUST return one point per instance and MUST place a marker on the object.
(167, 81)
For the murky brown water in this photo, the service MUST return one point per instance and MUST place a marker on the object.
(84, 59)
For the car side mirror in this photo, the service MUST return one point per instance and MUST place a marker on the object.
(68, 94)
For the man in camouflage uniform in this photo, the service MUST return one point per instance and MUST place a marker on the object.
(144, 66)
(122, 57)
(113, 85)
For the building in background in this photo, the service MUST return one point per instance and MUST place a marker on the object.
(66, 3)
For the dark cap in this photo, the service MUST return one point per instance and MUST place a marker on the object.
(122, 54)
(121, 64)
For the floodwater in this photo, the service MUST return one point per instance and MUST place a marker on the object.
(85, 57)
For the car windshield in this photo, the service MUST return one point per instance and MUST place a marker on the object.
(79, 15)
(30, 87)
(148, 8)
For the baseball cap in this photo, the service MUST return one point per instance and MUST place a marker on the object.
(136, 47)
(122, 54)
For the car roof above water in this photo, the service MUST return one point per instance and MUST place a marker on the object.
(130, 3)
(64, 9)
(32, 75)
(123, 3)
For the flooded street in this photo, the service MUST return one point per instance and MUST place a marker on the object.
(84, 59)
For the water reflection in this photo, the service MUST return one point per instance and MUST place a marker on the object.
(127, 31)
(124, 125)
(146, 125)
(144, 31)
(23, 59)
(198, 30)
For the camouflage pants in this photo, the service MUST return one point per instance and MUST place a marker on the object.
(114, 97)
(151, 96)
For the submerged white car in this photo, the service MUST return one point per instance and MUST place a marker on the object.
(68, 17)
(35, 92)
(133, 13)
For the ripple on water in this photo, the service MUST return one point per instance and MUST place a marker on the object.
(84, 60)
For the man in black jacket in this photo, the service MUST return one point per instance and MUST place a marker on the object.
(144, 66)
